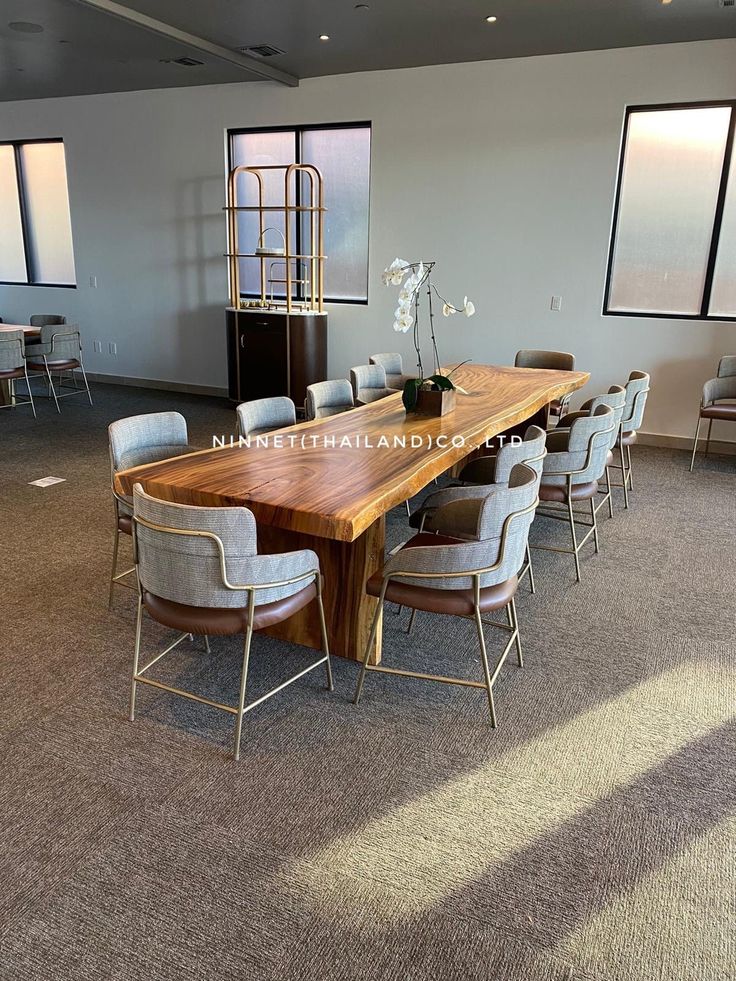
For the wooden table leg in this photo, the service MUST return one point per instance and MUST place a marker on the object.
(346, 567)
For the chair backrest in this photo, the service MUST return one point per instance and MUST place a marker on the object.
(11, 350)
(531, 451)
(146, 439)
(46, 319)
(505, 513)
(637, 388)
(328, 398)
(265, 415)
(615, 397)
(727, 366)
(557, 360)
(393, 365)
(367, 378)
(189, 568)
(582, 450)
(61, 342)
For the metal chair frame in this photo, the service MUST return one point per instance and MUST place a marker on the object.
(710, 427)
(50, 370)
(569, 513)
(625, 466)
(512, 626)
(118, 578)
(241, 708)
(13, 403)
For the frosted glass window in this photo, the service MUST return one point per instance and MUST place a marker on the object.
(342, 154)
(12, 253)
(670, 181)
(343, 157)
(723, 292)
(49, 226)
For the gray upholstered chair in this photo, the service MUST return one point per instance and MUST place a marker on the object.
(328, 398)
(575, 462)
(718, 401)
(369, 383)
(481, 472)
(464, 577)
(59, 351)
(134, 442)
(199, 572)
(637, 389)
(555, 360)
(393, 365)
(616, 398)
(262, 416)
(13, 367)
(46, 319)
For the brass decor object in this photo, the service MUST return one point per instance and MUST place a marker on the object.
(305, 269)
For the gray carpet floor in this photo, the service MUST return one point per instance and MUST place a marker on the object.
(589, 837)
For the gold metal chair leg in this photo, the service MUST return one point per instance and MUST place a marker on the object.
(609, 492)
(51, 384)
(486, 668)
(514, 624)
(368, 647)
(207, 644)
(411, 621)
(571, 515)
(86, 383)
(243, 681)
(325, 642)
(532, 586)
(630, 469)
(695, 442)
(594, 517)
(707, 438)
(136, 655)
(624, 480)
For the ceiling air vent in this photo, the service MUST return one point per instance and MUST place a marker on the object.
(262, 50)
(187, 62)
(727, 3)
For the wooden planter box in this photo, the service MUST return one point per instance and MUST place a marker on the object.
(431, 403)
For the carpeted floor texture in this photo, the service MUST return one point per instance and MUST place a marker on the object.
(590, 836)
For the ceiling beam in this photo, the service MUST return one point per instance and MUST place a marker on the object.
(137, 19)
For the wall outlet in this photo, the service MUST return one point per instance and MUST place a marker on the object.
(556, 303)
(97, 346)
(113, 348)
(93, 282)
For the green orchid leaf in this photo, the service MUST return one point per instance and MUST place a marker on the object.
(441, 381)
(409, 395)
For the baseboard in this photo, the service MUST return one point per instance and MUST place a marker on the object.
(157, 383)
(686, 443)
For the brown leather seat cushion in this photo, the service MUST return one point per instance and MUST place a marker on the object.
(54, 365)
(457, 602)
(558, 492)
(125, 524)
(727, 410)
(13, 373)
(221, 622)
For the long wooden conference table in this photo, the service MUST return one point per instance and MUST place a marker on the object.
(327, 484)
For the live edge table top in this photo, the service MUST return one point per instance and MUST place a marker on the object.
(332, 478)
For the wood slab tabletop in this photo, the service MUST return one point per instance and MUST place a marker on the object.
(30, 332)
(344, 472)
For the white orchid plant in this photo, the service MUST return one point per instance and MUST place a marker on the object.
(412, 277)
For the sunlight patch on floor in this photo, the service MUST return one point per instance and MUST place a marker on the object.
(450, 836)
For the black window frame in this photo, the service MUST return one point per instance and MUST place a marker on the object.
(23, 204)
(717, 218)
(298, 130)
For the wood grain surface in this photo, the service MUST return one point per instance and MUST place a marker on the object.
(338, 490)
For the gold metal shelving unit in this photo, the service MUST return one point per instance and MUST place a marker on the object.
(311, 262)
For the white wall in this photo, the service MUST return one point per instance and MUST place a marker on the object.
(502, 171)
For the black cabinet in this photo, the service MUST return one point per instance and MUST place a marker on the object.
(274, 353)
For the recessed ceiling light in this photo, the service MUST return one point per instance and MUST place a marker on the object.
(491, 20)
(25, 27)
(666, 1)
(324, 37)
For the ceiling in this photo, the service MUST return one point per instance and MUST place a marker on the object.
(82, 50)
